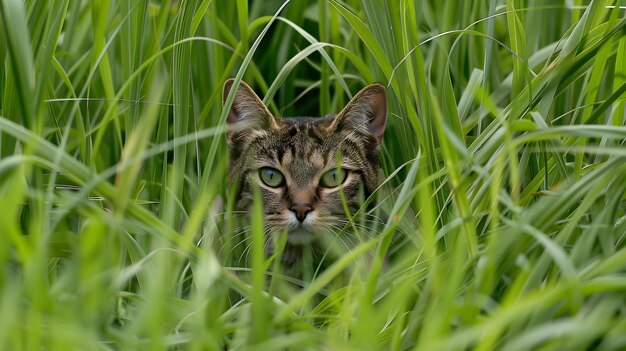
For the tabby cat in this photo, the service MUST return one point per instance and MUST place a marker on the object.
(302, 165)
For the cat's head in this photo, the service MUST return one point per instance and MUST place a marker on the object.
(304, 166)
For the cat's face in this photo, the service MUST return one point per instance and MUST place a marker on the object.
(304, 166)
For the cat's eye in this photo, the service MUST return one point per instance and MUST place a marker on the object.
(333, 178)
(271, 177)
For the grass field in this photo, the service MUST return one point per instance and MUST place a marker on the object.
(503, 206)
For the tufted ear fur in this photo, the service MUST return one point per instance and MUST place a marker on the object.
(247, 113)
(366, 112)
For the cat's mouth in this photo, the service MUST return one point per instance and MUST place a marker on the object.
(300, 235)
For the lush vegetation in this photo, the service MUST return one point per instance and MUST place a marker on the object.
(502, 214)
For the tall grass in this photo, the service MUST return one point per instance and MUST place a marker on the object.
(503, 205)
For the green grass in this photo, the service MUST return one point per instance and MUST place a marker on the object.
(504, 164)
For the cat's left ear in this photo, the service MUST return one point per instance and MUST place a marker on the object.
(366, 112)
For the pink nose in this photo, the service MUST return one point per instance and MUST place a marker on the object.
(301, 211)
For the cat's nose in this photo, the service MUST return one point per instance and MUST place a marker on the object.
(301, 211)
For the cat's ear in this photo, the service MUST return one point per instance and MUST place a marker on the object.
(247, 111)
(366, 112)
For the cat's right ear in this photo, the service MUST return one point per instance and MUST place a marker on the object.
(247, 112)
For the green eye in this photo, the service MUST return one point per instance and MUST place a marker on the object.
(333, 178)
(271, 177)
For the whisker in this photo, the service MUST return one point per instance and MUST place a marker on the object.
(238, 244)
(352, 239)
(248, 249)
(340, 239)
(345, 225)
(240, 230)
(244, 254)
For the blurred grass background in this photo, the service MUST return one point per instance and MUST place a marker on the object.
(503, 161)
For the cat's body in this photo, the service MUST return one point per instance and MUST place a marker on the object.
(308, 170)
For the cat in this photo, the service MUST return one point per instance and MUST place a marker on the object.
(304, 166)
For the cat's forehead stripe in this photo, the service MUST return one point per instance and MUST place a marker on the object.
(286, 157)
(283, 149)
(302, 148)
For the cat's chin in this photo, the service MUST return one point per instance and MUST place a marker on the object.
(300, 236)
